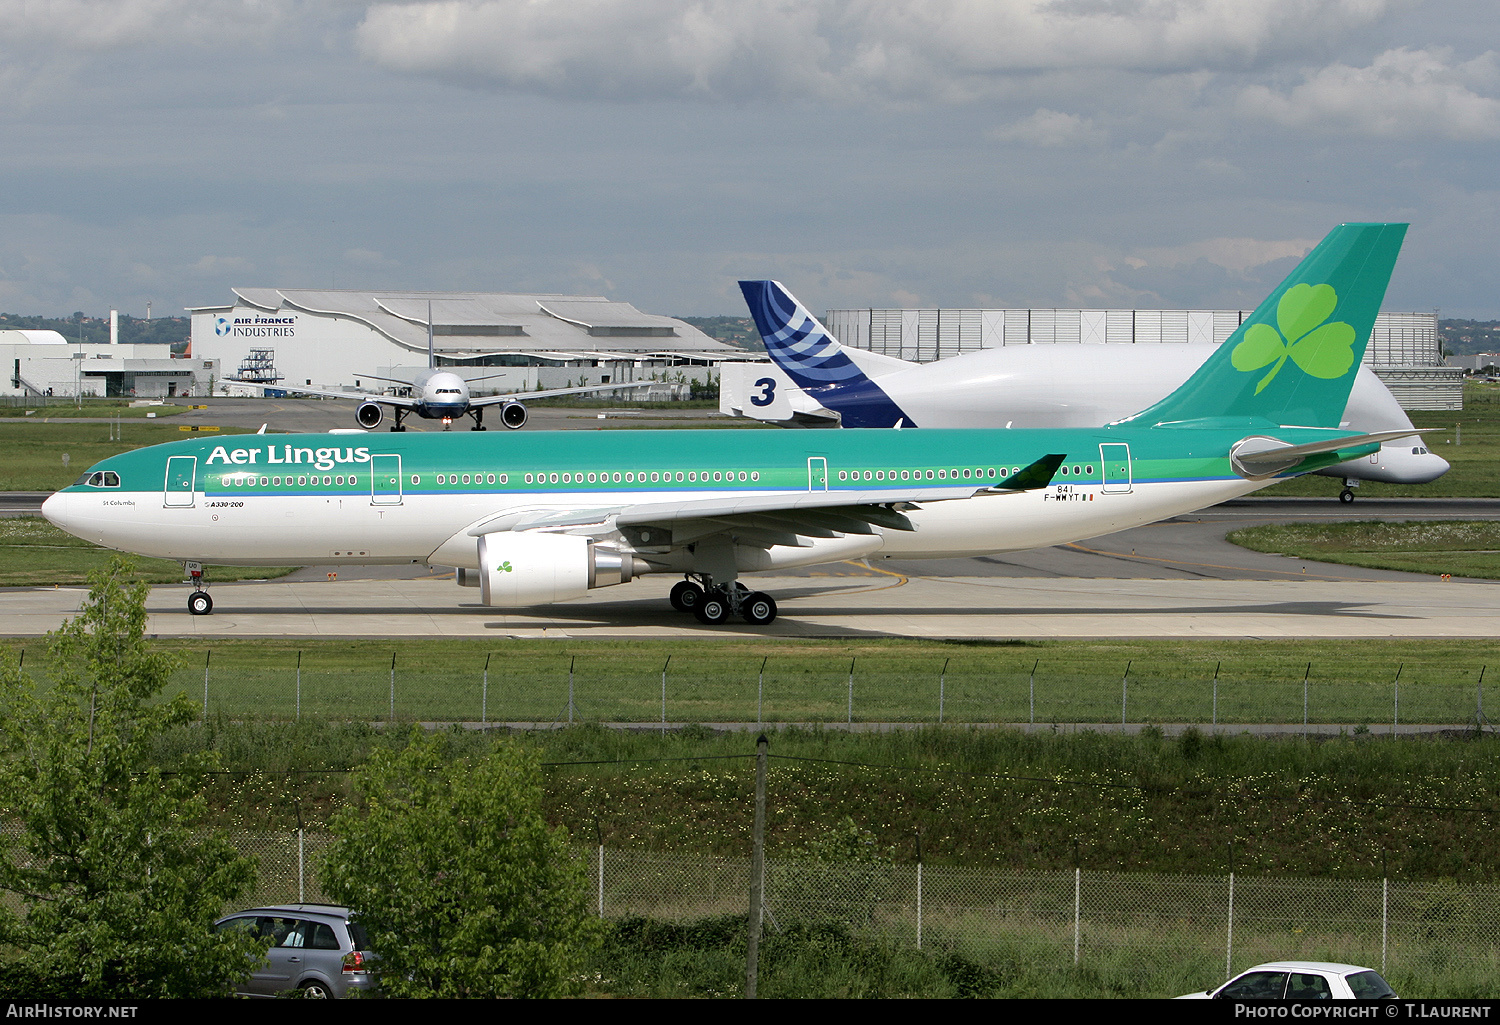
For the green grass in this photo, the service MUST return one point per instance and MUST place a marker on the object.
(101, 408)
(34, 451)
(35, 553)
(808, 680)
(895, 680)
(1462, 548)
(1352, 807)
(1473, 450)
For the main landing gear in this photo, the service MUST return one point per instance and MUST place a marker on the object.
(198, 603)
(1347, 495)
(477, 413)
(399, 413)
(713, 605)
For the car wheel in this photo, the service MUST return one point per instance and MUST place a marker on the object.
(315, 990)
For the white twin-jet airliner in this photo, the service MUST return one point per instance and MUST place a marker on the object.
(440, 395)
(546, 516)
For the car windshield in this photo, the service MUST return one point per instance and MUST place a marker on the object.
(1369, 985)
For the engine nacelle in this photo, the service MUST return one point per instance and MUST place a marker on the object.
(513, 415)
(369, 415)
(516, 570)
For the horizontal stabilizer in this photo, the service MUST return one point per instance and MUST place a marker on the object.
(1259, 457)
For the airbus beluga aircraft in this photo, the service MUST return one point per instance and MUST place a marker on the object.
(550, 515)
(817, 382)
(440, 395)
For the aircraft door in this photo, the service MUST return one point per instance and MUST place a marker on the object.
(178, 490)
(1116, 460)
(385, 480)
(817, 473)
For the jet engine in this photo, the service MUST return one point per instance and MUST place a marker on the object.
(522, 569)
(513, 415)
(369, 415)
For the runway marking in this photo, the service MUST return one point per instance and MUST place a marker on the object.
(901, 579)
(1299, 574)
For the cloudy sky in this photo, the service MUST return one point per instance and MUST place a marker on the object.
(1097, 153)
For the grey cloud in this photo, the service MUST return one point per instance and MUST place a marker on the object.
(831, 50)
(1402, 94)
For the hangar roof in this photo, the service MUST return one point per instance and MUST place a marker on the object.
(471, 324)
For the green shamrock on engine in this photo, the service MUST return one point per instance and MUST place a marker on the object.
(1325, 351)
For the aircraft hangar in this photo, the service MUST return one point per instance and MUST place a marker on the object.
(339, 338)
(1404, 351)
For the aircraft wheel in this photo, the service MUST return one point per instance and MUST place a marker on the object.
(712, 610)
(758, 608)
(1346, 496)
(481, 427)
(686, 596)
(200, 604)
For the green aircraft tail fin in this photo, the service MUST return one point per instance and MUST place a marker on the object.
(1293, 360)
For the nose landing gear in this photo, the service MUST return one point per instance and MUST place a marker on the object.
(198, 603)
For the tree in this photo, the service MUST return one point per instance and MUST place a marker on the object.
(464, 889)
(113, 890)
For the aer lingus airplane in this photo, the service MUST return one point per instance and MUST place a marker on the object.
(814, 381)
(545, 517)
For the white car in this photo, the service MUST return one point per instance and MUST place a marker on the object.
(1301, 980)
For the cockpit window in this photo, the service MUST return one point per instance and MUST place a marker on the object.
(100, 479)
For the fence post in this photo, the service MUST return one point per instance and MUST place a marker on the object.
(571, 661)
(1077, 910)
(1479, 709)
(942, 682)
(850, 716)
(299, 685)
(1124, 692)
(919, 889)
(1033, 690)
(393, 686)
(1385, 909)
(664, 695)
(1229, 930)
(760, 691)
(206, 656)
(1396, 700)
(1304, 698)
(757, 868)
(484, 693)
(1217, 665)
(601, 879)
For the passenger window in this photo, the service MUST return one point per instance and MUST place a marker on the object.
(296, 936)
(1307, 987)
(323, 937)
(1255, 986)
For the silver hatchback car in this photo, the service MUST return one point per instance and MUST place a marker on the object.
(317, 949)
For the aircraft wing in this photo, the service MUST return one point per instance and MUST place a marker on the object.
(522, 396)
(759, 520)
(389, 400)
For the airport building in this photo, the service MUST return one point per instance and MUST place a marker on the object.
(335, 339)
(44, 363)
(1404, 350)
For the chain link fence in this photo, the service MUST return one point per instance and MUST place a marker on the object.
(1203, 926)
(628, 688)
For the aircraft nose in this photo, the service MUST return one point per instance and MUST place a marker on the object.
(55, 508)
